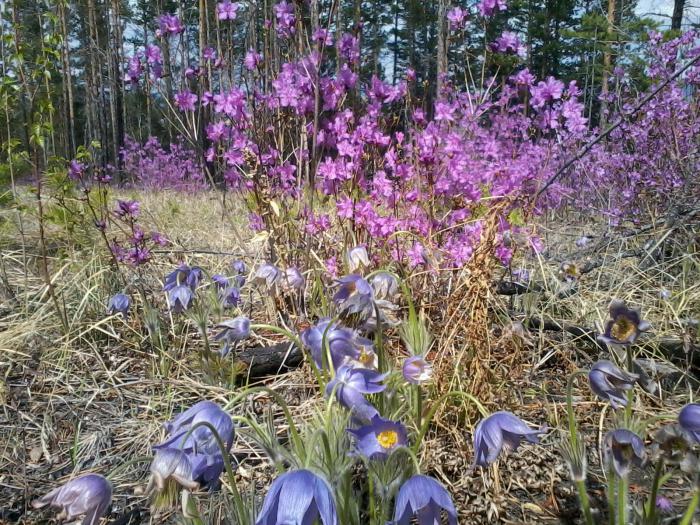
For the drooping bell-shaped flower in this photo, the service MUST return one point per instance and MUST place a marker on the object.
(233, 331)
(118, 303)
(423, 498)
(623, 448)
(180, 298)
(380, 438)
(344, 344)
(384, 285)
(689, 420)
(184, 275)
(171, 465)
(624, 326)
(88, 496)
(239, 267)
(350, 386)
(201, 440)
(298, 497)
(267, 274)
(357, 259)
(293, 280)
(498, 430)
(354, 296)
(608, 382)
(221, 281)
(417, 370)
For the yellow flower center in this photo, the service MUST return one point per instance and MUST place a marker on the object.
(388, 438)
(622, 329)
(366, 358)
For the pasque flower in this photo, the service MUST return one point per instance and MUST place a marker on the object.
(298, 497)
(201, 439)
(498, 430)
(423, 498)
(233, 331)
(354, 296)
(171, 465)
(180, 298)
(89, 496)
(118, 303)
(689, 420)
(293, 280)
(608, 382)
(623, 448)
(350, 386)
(380, 438)
(343, 343)
(417, 370)
(624, 326)
(200, 448)
(357, 258)
(384, 285)
(267, 274)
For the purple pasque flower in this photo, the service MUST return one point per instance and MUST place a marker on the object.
(239, 267)
(226, 10)
(417, 370)
(233, 331)
(185, 100)
(385, 286)
(267, 274)
(689, 420)
(298, 496)
(230, 297)
(180, 298)
(118, 303)
(184, 275)
(582, 241)
(170, 465)
(609, 382)
(200, 447)
(89, 495)
(221, 281)
(623, 448)
(127, 209)
(354, 296)
(569, 272)
(380, 438)
(424, 498)
(350, 386)
(624, 326)
(357, 259)
(252, 59)
(201, 440)
(498, 430)
(343, 343)
(293, 280)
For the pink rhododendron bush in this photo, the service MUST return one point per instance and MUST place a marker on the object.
(256, 269)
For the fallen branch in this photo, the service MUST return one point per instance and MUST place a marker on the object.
(264, 361)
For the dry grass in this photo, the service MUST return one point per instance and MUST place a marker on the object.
(91, 399)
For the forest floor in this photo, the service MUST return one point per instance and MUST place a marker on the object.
(92, 400)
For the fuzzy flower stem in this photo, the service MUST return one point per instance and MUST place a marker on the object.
(238, 500)
(585, 502)
(630, 392)
(651, 504)
(622, 500)
(688, 516)
(611, 496)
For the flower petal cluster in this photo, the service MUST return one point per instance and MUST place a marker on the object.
(89, 496)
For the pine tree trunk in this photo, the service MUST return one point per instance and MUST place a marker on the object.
(441, 43)
(677, 18)
(607, 63)
(67, 83)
